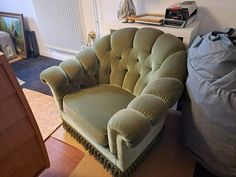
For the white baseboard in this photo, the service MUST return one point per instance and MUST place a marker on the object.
(56, 54)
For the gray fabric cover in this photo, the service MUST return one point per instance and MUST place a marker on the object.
(209, 110)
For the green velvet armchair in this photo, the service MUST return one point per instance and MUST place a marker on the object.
(114, 97)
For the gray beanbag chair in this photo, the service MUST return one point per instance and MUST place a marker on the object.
(209, 110)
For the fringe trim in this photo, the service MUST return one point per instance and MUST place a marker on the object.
(109, 166)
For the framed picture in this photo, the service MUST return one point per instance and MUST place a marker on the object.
(7, 50)
(13, 24)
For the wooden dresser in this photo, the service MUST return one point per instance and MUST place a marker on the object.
(22, 150)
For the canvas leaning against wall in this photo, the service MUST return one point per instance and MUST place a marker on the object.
(13, 24)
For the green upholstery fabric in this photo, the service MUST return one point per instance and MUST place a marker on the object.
(118, 92)
(152, 107)
(168, 89)
(84, 108)
(71, 75)
(130, 61)
(131, 124)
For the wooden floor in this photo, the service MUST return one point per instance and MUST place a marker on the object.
(166, 159)
(63, 158)
(68, 158)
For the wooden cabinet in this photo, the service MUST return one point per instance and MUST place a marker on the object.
(22, 150)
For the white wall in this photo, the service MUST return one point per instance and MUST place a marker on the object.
(88, 16)
(26, 8)
(213, 14)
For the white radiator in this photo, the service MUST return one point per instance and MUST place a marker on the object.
(60, 24)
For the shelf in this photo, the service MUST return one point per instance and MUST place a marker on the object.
(188, 33)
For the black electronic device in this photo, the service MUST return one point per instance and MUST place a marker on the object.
(181, 14)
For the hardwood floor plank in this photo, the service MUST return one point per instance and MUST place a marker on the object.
(63, 158)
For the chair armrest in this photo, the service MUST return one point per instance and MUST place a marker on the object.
(168, 89)
(168, 82)
(58, 82)
(152, 107)
(81, 70)
(134, 122)
(56, 79)
(130, 124)
(71, 75)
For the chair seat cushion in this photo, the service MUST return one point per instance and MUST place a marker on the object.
(91, 108)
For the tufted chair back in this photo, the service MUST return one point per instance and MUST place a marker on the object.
(130, 58)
